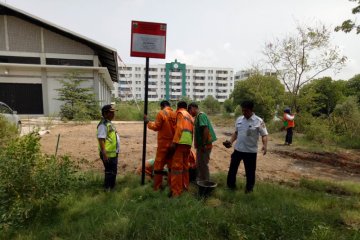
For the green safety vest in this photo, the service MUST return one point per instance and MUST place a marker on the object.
(111, 139)
(187, 128)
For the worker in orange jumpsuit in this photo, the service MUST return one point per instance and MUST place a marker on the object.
(289, 124)
(180, 150)
(165, 126)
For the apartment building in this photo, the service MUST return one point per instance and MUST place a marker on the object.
(174, 80)
(244, 74)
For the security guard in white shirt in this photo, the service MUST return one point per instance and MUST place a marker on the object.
(248, 128)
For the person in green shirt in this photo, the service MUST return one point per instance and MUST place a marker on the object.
(204, 137)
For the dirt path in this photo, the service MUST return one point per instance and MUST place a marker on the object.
(282, 163)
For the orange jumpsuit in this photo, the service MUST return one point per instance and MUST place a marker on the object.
(164, 125)
(180, 161)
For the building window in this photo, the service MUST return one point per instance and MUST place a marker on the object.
(69, 62)
(23, 60)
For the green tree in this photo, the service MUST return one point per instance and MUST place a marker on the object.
(353, 87)
(79, 102)
(301, 57)
(229, 105)
(321, 96)
(348, 25)
(210, 105)
(266, 92)
(346, 118)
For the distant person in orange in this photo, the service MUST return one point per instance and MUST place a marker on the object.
(289, 124)
(164, 125)
(180, 150)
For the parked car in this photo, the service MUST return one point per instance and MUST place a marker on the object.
(10, 115)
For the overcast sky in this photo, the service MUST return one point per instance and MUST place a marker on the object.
(217, 33)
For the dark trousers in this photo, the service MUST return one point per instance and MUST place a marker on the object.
(250, 168)
(110, 171)
(289, 135)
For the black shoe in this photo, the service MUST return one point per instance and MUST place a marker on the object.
(247, 191)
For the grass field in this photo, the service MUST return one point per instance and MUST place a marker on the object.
(306, 210)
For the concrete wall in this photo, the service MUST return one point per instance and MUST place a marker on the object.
(53, 83)
(20, 76)
(23, 36)
(2, 33)
(55, 43)
(27, 37)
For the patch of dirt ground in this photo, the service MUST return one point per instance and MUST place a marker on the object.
(281, 163)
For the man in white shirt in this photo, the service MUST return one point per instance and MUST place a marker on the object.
(109, 145)
(248, 128)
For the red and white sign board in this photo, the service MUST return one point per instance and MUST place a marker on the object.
(148, 39)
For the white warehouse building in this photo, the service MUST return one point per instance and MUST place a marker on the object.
(36, 54)
(174, 80)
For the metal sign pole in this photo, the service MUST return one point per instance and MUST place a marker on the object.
(145, 124)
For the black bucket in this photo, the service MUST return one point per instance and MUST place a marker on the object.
(206, 187)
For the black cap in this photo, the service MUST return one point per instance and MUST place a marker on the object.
(108, 108)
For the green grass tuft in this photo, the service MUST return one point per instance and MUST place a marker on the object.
(132, 211)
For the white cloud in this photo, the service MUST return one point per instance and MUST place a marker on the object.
(227, 46)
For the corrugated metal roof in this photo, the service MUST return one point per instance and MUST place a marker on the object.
(107, 55)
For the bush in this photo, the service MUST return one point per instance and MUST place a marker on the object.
(275, 126)
(129, 111)
(346, 118)
(302, 120)
(229, 105)
(30, 181)
(346, 122)
(210, 105)
(238, 111)
(318, 130)
(8, 131)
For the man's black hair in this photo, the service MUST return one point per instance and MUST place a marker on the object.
(192, 105)
(247, 104)
(164, 104)
(106, 108)
(182, 104)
